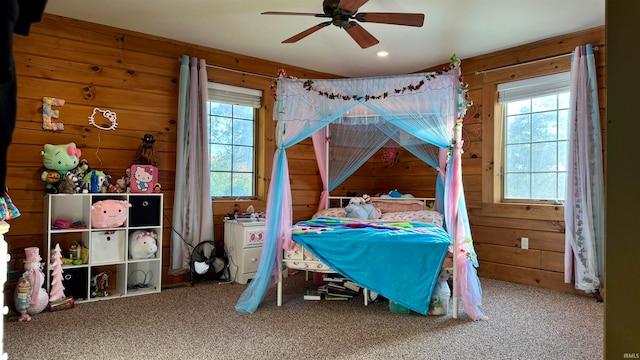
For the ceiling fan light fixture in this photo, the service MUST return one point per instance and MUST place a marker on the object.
(382, 54)
(345, 15)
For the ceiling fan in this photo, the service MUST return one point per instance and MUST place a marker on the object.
(343, 12)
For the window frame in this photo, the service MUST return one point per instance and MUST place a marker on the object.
(257, 129)
(492, 202)
(528, 89)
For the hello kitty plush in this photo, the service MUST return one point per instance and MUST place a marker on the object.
(142, 244)
(58, 160)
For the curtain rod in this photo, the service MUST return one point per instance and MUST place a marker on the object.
(595, 48)
(241, 72)
(237, 71)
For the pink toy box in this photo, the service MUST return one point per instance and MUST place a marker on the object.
(143, 178)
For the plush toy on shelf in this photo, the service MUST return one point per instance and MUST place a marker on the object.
(95, 181)
(146, 154)
(142, 244)
(78, 175)
(58, 160)
(109, 213)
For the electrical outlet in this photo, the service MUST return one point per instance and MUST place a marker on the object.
(524, 243)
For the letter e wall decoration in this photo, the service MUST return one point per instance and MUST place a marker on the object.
(48, 114)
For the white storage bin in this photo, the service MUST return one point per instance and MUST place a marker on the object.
(107, 246)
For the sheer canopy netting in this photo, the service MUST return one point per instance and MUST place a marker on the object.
(417, 111)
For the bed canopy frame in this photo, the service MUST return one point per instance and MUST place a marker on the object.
(421, 112)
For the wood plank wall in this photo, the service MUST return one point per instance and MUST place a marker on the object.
(136, 75)
(497, 228)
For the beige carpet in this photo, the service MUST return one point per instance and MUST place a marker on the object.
(200, 322)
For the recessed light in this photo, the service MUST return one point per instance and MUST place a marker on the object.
(382, 53)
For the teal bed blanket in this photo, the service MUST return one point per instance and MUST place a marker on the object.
(400, 261)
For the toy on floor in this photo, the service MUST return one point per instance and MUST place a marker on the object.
(57, 289)
(440, 299)
(23, 298)
(38, 297)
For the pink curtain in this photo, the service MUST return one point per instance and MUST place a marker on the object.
(192, 214)
(319, 146)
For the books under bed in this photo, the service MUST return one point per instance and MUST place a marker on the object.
(399, 255)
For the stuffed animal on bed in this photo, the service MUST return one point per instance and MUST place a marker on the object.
(359, 209)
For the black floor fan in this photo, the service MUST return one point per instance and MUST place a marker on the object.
(208, 261)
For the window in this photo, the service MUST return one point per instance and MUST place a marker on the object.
(232, 140)
(534, 136)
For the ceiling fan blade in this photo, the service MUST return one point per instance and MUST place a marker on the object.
(392, 18)
(360, 35)
(292, 13)
(351, 5)
(306, 33)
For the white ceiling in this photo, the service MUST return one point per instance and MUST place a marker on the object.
(464, 27)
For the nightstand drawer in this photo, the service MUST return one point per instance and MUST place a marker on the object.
(253, 236)
(251, 260)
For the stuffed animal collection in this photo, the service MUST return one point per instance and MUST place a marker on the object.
(66, 173)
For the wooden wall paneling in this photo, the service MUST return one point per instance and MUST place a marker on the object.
(136, 75)
(508, 255)
(526, 276)
(510, 237)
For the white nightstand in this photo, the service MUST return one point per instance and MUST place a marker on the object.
(243, 242)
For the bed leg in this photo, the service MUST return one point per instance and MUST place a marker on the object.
(280, 286)
(366, 296)
(455, 307)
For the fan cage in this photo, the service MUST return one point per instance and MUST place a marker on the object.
(207, 251)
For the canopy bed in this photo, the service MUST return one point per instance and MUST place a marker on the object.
(356, 117)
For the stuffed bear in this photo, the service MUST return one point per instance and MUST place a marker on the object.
(109, 213)
(58, 160)
(142, 244)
